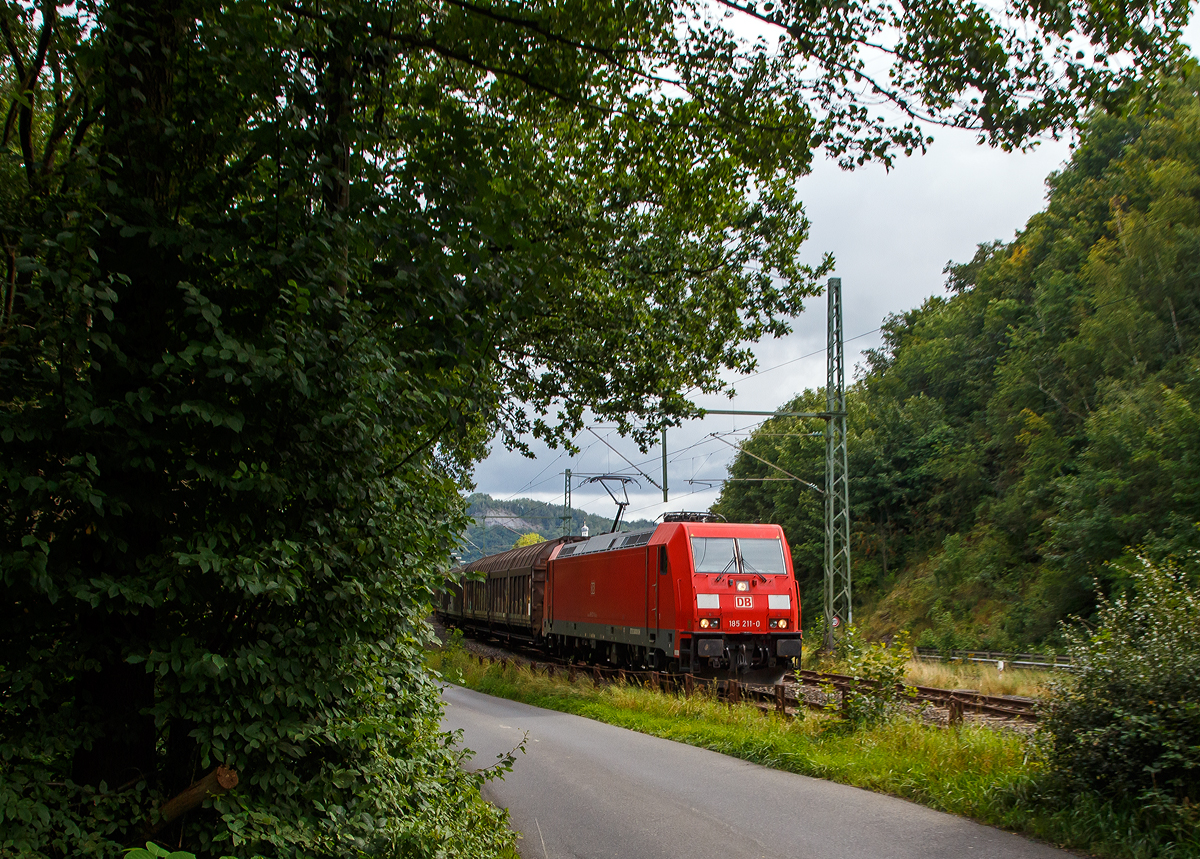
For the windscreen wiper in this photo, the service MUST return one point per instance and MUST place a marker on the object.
(750, 569)
(732, 561)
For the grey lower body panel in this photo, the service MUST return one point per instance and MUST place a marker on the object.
(635, 636)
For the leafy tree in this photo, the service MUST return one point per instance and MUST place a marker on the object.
(530, 539)
(274, 274)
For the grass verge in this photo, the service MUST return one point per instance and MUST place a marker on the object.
(982, 677)
(995, 777)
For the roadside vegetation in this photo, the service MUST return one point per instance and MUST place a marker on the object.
(1114, 768)
(992, 776)
(989, 775)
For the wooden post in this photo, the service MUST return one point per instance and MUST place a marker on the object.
(689, 684)
(571, 672)
(956, 712)
(596, 674)
(654, 680)
(621, 676)
(735, 692)
(780, 700)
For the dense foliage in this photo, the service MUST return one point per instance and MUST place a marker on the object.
(273, 273)
(1128, 727)
(877, 671)
(1012, 437)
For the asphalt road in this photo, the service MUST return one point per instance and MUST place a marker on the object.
(589, 790)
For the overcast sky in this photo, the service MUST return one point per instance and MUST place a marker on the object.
(891, 234)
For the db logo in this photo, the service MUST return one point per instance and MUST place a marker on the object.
(744, 602)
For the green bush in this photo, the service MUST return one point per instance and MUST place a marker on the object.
(1128, 728)
(155, 851)
(877, 669)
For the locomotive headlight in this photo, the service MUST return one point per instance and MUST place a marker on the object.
(704, 623)
(743, 586)
(780, 623)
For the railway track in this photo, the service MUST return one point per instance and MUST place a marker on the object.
(961, 700)
(789, 695)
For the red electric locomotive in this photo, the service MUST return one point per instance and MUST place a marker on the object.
(691, 595)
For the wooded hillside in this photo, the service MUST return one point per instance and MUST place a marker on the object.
(1014, 436)
(496, 525)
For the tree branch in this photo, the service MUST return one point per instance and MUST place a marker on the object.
(536, 27)
(11, 42)
(25, 96)
(214, 784)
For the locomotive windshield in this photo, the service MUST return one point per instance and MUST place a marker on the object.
(745, 555)
(762, 556)
(713, 554)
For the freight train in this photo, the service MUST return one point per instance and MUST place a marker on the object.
(692, 595)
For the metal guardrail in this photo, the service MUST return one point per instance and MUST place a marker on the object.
(1039, 661)
(784, 695)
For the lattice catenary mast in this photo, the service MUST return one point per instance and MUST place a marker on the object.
(566, 517)
(837, 478)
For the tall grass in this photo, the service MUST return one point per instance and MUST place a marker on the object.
(995, 777)
(982, 677)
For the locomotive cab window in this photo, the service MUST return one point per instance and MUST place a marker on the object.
(756, 556)
(762, 556)
(714, 554)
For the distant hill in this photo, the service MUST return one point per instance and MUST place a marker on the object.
(498, 524)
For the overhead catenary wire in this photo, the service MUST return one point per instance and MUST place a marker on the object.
(680, 498)
(618, 453)
(774, 466)
(675, 457)
(713, 480)
(813, 354)
(679, 454)
(531, 484)
(823, 349)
